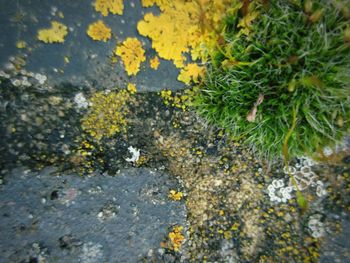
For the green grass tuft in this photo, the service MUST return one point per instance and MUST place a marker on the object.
(296, 57)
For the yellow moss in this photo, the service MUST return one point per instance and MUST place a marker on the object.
(175, 196)
(132, 88)
(116, 7)
(107, 115)
(154, 63)
(191, 72)
(132, 54)
(176, 238)
(55, 34)
(99, 31)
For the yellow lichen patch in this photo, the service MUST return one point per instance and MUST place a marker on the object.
(154, 63)
(175, 196)
(182, 25)
(181, 100)
(116, 7)
(55, 34)
(132, 54)
(99, 31)
(107, 115)
(132, 88)
(176, 238)
(21, 44)
(191, 72)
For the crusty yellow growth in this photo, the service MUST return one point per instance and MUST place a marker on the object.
(132, 54)
(190, 72)
(132, 88)
(55, 34)
(99, 31)
(175, 196)
(107, 115)
(161, 3)
(154, 63)
(21, 44)
(116, 7)
(181, 26)
(182, 100)
(176, 238)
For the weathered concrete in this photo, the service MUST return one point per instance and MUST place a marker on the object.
(90, 61)
(69, 218)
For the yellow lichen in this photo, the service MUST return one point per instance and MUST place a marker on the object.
(116, 7)
(107, 115)
(132, 54)
(55, 34)
(154, 63)
(99, 31)
(132, 88)
(191, 72)
(181, 100)
(176, 238)
(21, 44)
(175, 196)
(182, 25)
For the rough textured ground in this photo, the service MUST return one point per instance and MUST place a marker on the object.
(67, 218)
(94, 200)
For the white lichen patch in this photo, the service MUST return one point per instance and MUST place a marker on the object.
(81, 101)
(316, 226)
(278, 192)
(92, 253)
(135, 155)
(40, 78)
(304, 176)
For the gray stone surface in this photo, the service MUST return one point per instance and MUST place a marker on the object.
(69, 218)
(336, 248)
(90, 62)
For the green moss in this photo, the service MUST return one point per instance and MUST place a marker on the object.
(291, 56)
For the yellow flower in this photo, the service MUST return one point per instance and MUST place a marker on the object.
(191, 72)
(154, 63)
(55, 34)
(176, 237)
(116, 7)
(132, 54)
(99, 31)
(132, 88)
(175, 196)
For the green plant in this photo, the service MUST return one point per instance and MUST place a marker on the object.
(276, 57)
